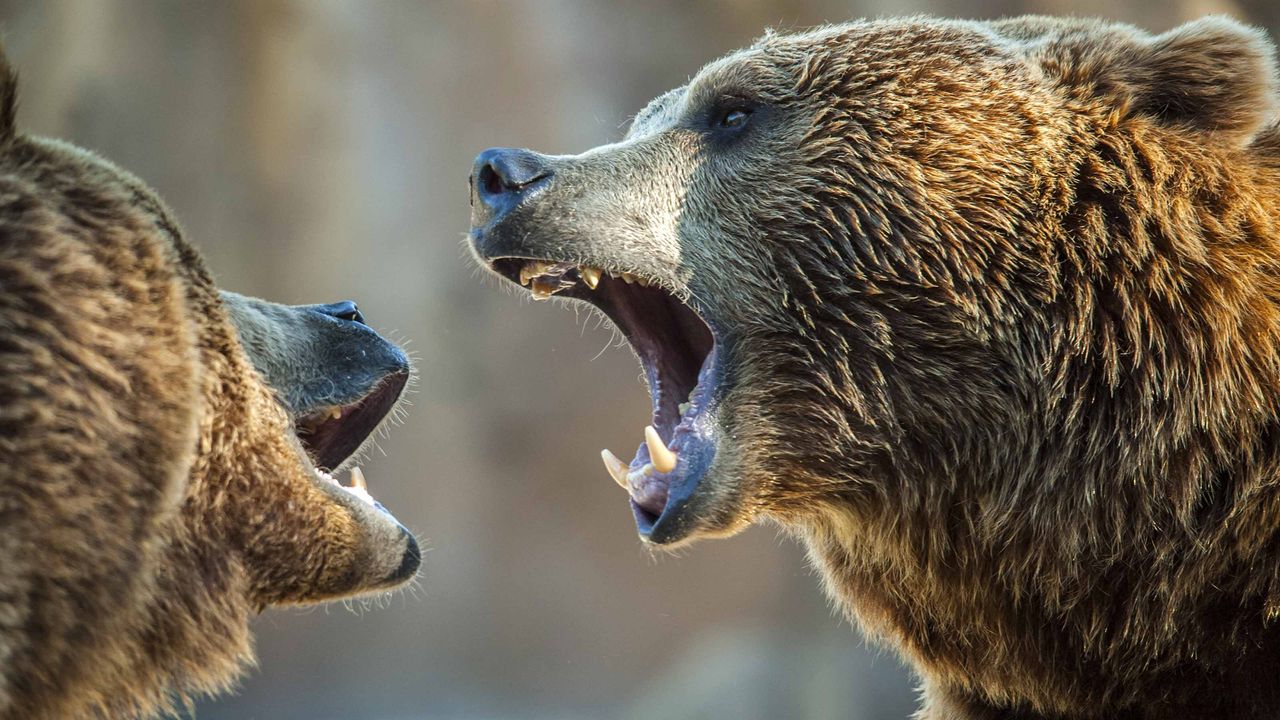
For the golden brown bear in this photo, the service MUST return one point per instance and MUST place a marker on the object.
(988, 313)
(155, 490)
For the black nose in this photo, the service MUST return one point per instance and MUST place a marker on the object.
(345, 310)
(410, 561)
(504, 177)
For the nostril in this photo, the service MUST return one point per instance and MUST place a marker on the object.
(490, 181)
(349, 311)
(504, 175)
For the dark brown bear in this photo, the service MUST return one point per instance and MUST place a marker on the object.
(987, 313)
(155, 489)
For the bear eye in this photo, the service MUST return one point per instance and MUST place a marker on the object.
(733, 118)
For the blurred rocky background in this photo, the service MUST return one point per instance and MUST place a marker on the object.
(319, 150)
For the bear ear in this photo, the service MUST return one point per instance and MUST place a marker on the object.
(1213, 75)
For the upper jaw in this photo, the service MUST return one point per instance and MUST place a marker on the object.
(333, 436)
(335, 377)
(334, 433)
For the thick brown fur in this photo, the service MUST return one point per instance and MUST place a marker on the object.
(153, 494)
(1000, 304)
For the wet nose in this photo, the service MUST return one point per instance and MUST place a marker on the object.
(502, 178)
(410, 561)
(344, 310)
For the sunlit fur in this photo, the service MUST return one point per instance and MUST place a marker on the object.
(1032, 272)
(153, 495)
(1001, 304)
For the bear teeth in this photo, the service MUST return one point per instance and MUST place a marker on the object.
(544, 278)
(358, 487)
(662, 460)
(630, 279)
(543, 289)
(325, 476)
(533, 269)
(617, 469)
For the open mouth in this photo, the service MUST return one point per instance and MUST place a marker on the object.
(332, 435)
(678, 351)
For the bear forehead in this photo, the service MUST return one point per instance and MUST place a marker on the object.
(1213, 76)
(786, 68)
(776, 66)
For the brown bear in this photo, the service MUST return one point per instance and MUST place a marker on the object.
(988, 313)
(166, 449)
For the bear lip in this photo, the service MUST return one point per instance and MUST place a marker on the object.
(332, 435)
(679, 352)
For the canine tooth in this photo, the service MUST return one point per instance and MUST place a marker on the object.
(590, 276)
(684, 407)
(533, 269)
(663, 459)
(543, 289)
(335, 414)
(617, 469)
(357, 479)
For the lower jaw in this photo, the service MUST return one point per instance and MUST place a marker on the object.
(679, 516)
(358, 489)
(667, 514)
